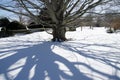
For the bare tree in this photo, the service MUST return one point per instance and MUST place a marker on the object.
(61, 12)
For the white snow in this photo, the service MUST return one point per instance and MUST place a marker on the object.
(89, 55)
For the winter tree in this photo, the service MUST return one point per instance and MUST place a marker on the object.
(61, 12)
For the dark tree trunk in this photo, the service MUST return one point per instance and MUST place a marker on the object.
(59, 33)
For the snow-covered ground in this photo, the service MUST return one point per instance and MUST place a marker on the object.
(89, 55)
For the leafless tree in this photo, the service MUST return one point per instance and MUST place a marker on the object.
(61, 12)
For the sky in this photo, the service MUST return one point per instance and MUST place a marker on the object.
(13, 16)
(4, 13)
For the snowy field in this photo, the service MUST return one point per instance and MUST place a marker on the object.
(89, 55)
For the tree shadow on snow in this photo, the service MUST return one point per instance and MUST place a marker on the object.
(107, 58)
(39, 61)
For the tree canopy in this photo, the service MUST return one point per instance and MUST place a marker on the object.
(61, 12)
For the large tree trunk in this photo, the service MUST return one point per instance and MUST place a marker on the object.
(59, 33)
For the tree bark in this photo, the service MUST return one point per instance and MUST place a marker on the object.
(59, 33)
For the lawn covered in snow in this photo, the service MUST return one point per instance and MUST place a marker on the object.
(88, 55)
